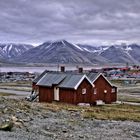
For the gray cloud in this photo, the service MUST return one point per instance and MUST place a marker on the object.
(85, 21)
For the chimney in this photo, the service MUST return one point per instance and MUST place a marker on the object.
(62, 68)
(80, 70)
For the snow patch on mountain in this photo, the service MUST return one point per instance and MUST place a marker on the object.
(86, 50)
(128, 48)
(13, 50)
(10, 47)
(77, 47)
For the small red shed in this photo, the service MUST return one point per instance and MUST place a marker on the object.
(104, 90)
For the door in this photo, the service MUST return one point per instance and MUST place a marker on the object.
(56, 94)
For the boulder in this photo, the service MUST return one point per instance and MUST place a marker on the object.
(7, 126)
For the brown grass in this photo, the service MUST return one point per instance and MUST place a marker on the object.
(106, 112)
(128, 99)
(18, 83)
(114, 112)
(6, 94)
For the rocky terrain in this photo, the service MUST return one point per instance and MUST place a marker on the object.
(38, 121)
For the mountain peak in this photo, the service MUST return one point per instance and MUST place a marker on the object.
(11, 50)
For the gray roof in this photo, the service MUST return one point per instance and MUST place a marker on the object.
(71, 81)
(61, 80)
(92, 76)
(40, 76)
(65, 79)
(50, 79)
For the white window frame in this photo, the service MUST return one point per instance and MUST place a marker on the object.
(84, 91)
(113, 90)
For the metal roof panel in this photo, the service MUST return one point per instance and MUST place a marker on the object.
(71, 80)
(40, 76)
(50, 79)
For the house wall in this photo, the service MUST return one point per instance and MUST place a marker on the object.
(46, 94)
(101, 85)
(85, 98)
(67, 95)
(75, 96)
(114, 95)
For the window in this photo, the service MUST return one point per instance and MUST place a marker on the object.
(113, 90)
(95, 91)
(84, 91)
(105, 91)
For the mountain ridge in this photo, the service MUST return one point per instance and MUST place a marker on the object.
(64, 52)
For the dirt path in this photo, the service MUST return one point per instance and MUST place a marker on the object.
(6, 91)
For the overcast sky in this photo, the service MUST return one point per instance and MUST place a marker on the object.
(78, 21)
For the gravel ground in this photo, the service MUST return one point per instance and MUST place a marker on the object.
(35, 121)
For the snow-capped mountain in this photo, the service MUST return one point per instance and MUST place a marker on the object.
(116, 53)
(55, 52)
(64, 52)
(8, 51)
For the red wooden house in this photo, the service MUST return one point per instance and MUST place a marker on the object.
(65, 87)
(75, 88)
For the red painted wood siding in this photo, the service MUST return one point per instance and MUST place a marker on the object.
(85, 98)
(67, 95)
(101, 84)
(75, 96)
(114, 95)
(46, 94)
